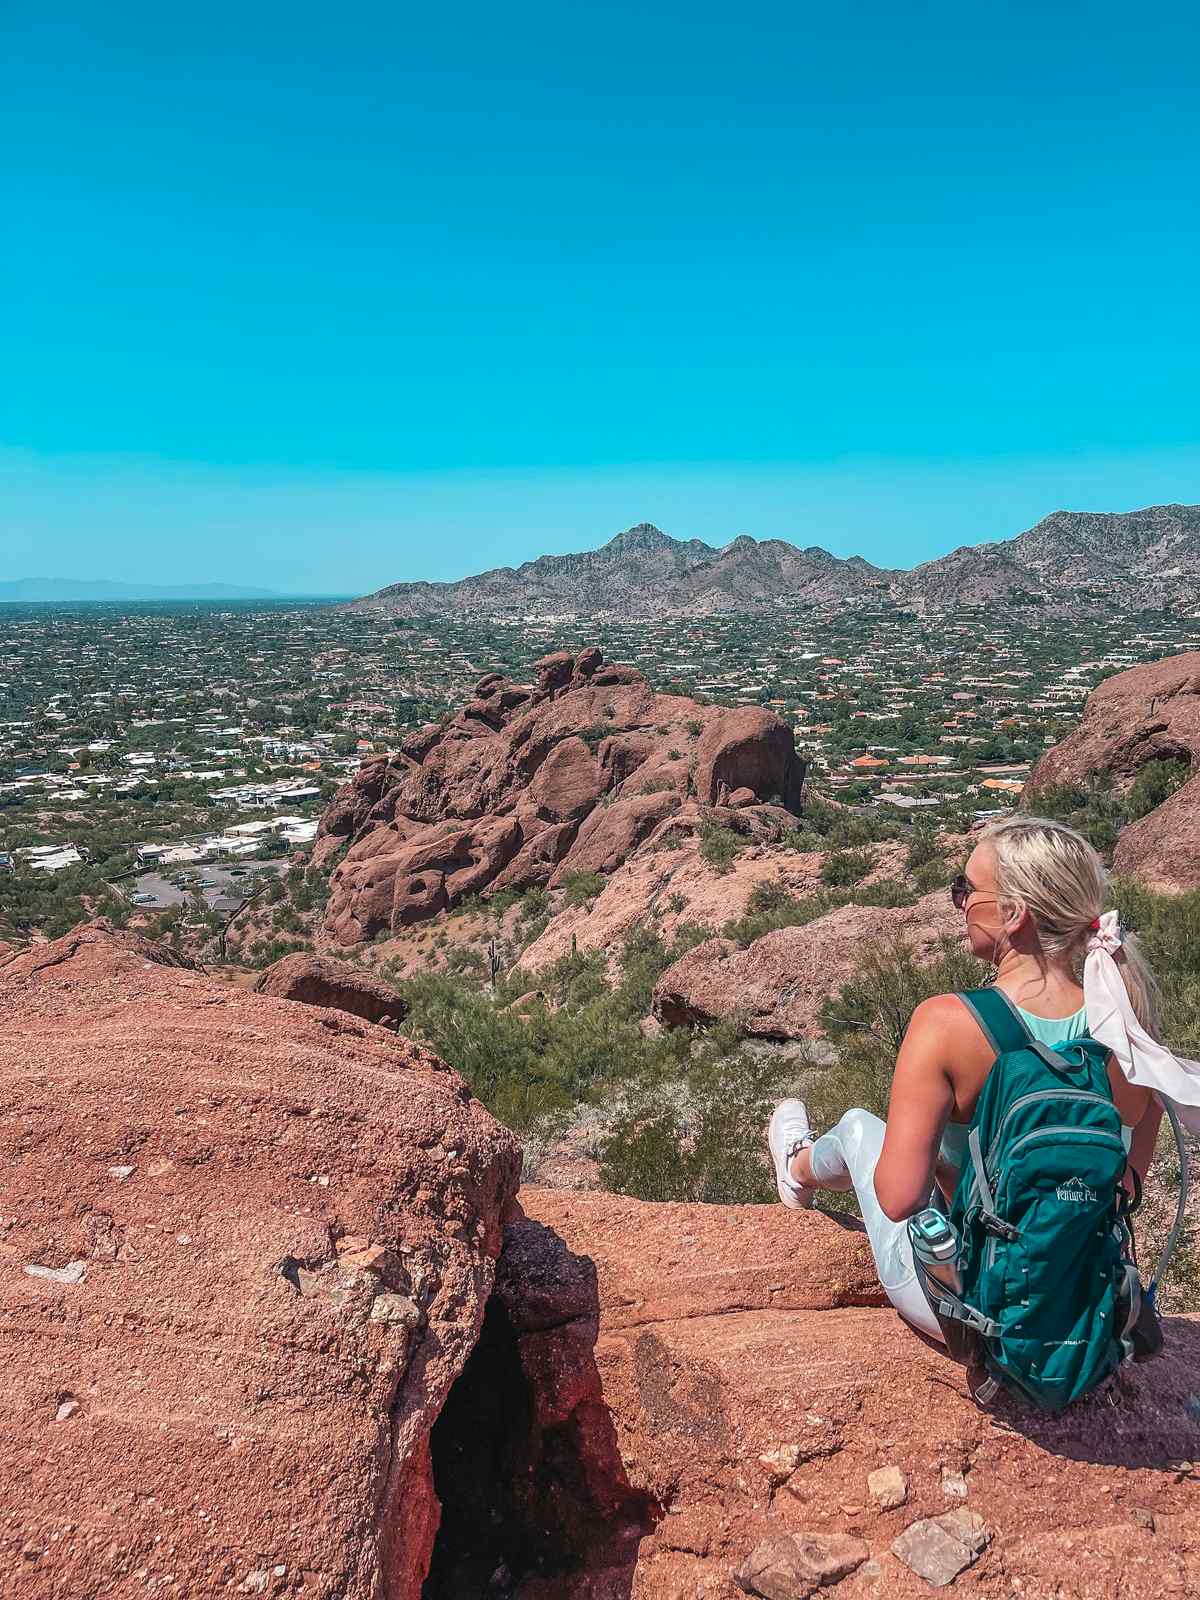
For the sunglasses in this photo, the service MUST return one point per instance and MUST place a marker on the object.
(961, 891)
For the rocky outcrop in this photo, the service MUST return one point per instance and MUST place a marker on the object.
(1150, 713)
(774, 986)
(528, 784)
(755, 1385)
(272, 1322)
(245, 1251)
(669, 885)
(317, 981)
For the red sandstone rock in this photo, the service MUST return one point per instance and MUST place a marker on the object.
(317, 981)
(668, 881)
(1149, 713)
(611, 833)
(568, 783)
(748, 748)
(208, 1400)
(590, 750)
(752, 1392)
(776, 985)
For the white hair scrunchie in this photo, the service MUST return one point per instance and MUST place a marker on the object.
(1111, 1021)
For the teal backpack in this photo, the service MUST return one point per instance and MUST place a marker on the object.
(1050, 1298)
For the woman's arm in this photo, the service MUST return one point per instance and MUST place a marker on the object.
(921, 1102)
(1145, 1138)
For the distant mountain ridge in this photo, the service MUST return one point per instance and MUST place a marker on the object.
(1149, 557)
(35, 590)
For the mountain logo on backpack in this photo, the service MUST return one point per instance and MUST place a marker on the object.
(1076, 1191)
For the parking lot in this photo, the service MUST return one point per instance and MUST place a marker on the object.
(225, 888)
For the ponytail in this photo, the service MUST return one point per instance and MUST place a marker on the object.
(1053, 872)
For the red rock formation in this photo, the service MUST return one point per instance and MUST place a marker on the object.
(1149, 713)
(526, 785)
(754, 1383)
(317, 981)
(265, 1299)
(245, 1248)
(775, 985)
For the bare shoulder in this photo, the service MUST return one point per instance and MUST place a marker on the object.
(943, 1029)
(943, 1012)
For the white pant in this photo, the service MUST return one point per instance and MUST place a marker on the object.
(852, 1149)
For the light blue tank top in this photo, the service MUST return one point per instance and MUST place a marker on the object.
(1051, 1031)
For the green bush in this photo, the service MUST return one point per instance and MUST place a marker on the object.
(886, 892)
(930, 875)
(889, 985)
(844, 867)
(1095, 810)
(867, 1019)
(720, 846)
(1155, 782)
(581, 887)
(791, 911)
(802, 840)
(769, 895)
(922, 848)
(698, 1138)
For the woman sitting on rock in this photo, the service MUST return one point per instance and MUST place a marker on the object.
(1032, 895)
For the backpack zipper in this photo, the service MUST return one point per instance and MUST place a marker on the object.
(1026, 1099)
(1042, 1094)
(1035, 1133)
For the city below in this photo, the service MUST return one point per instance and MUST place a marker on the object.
(142, 746)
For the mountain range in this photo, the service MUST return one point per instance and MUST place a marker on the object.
(1148, 558)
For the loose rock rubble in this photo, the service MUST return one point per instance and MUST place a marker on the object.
(939, 1548)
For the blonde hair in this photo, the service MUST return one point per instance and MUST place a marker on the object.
(1054, 873)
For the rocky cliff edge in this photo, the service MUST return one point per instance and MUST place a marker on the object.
(272, 1323)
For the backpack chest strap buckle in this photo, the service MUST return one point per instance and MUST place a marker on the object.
(998, 1226)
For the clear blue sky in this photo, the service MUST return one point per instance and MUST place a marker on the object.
(322, 297)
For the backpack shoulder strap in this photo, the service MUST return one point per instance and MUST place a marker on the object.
(998, 1017)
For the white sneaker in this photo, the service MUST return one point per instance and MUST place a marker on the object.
(788, 1131)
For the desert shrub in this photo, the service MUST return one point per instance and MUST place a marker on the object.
(792, 911)
(687, 936)
(769, 896)
(843, 830)
(867, 1019)
(844, 867)
(466, 958)
(930, 875)
(580, 887)
(503, 900)
(922, 849)
(699, 1138)
(1095, 810)
(803, 840)
(1155, 782)
(888, 986)
(645, 956)
(694, 726)
(886, 892)
(535, 903)
(1168, 927)
(720, 846)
